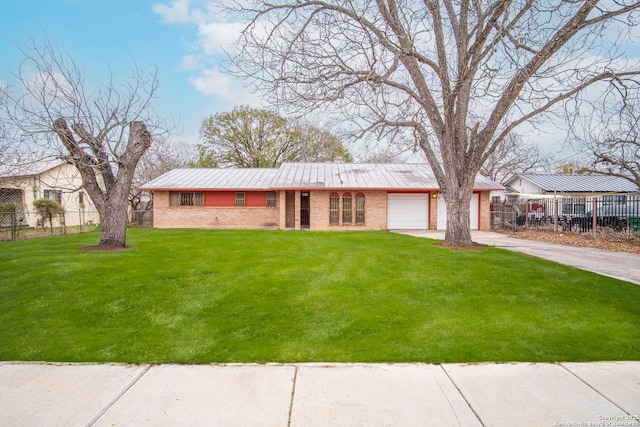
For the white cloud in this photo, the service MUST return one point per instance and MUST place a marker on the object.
(212, 82)
(190, 63)
(178, 12)
(216, 37)
(212, 37)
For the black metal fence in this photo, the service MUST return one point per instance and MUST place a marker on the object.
(619, 212)
(25, 225)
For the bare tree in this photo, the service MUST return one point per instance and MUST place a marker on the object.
(456, 76)
(103, 130)
(164, 155)
(613, 144)
(512, 156)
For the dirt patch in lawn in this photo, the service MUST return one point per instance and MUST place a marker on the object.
(105, 248)
(608, 240)
(468, 247)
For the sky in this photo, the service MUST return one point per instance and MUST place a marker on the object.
(185, 39)
(186, 46)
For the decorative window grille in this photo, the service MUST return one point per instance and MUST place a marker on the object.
(271, 199)
(347, 210)
(359, 208)
(334, 208)
(186, 198)
(240, 199)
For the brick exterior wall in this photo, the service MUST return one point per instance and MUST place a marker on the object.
(165, 216)
(375, 208)
(433, 211)
(485, 211)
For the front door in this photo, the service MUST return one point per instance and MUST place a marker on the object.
(290, 209)
(305, 210)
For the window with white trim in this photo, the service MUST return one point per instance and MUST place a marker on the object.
(53, 195)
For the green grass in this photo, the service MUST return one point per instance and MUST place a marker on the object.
(196, 296)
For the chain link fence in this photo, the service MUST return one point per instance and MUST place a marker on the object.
(617, 212)
(26, 225)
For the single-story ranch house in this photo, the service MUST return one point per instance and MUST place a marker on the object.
(317, 196)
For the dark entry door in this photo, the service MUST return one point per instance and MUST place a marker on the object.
(290, 214)
(305, 208)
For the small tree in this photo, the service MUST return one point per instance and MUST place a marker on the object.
(47, 209)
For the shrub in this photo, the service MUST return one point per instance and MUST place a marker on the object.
(47, 209)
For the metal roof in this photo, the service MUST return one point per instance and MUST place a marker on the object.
(365, 176)
(205, 179)
(579, 183)
(354, 176)
(19, 168)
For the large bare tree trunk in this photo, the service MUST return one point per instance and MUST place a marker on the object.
(458, 219)
(109, 191)
(113, 221)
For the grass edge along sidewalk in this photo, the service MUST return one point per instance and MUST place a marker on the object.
(220, 296)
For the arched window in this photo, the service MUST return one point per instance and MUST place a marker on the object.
(347, 210)
(334, 208)
(360, 208)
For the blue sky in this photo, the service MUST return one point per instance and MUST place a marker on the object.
(112, 33)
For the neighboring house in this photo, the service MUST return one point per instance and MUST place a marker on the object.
(317, 196)
(575, 193)
(48, 179)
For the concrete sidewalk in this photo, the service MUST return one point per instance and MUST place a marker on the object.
(620, 265)
(524, 394)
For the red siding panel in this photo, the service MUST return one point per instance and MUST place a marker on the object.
(256, 199)
(220, 198)
(253, 199)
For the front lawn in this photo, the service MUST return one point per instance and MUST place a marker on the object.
(200, 296)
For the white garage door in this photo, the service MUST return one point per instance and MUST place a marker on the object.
(474, 206)
(408, 211)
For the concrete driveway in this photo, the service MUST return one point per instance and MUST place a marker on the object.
(620, 265)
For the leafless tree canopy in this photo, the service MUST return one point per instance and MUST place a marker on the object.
(164, 155)
(102, 130)
(457, 76)
(513, 156)
(612, 143)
